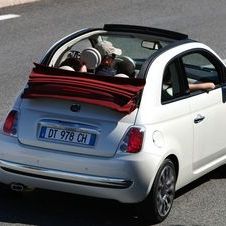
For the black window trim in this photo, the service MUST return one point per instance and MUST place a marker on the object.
(182, 79)
(221, 70)
(211, 57)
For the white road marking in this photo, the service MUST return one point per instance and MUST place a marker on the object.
(6, 3)
(8, 16)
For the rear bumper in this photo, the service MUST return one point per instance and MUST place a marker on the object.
(126, 178)
(63, 176)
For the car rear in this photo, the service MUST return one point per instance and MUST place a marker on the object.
(53, 124)
(75, 147)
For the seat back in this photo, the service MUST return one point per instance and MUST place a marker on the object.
(126, 65)
(91, 58)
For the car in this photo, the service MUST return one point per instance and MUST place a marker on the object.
(147, 125)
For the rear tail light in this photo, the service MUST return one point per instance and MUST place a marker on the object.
(133, 140)
(10, 124)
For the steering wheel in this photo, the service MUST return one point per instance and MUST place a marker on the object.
(74, 54)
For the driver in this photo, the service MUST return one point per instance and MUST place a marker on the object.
(73, 63)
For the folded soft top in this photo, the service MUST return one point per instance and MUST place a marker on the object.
(120, 94)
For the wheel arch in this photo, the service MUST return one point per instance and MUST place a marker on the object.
(175, 162)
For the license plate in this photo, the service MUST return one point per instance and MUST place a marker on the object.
(69, 136)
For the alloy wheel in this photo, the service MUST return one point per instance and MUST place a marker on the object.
(165, 190)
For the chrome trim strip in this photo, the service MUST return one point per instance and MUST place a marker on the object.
(69, 125)
(63, 176)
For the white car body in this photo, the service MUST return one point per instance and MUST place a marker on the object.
(105, 171)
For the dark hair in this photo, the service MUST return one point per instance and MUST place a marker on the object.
(72, 62)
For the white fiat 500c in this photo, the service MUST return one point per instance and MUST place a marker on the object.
(122, 112)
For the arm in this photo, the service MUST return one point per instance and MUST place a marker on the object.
(202, 86)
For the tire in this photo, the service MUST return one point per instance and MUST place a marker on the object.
(158, 204)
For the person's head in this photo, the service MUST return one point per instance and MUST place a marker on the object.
(72, 62)
(108, 60)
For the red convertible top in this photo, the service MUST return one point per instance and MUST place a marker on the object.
(120, 94)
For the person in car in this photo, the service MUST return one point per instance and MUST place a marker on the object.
(167, 85)
(108, 53)
(73, 64)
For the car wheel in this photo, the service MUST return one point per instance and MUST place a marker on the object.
(158, 204)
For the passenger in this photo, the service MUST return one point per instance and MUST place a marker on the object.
(192, 86)
(167, 89)
(108, 53)
(74, 64)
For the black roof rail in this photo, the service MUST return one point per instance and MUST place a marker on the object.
(145, 30)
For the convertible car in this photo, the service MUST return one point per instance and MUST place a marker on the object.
(122, 112)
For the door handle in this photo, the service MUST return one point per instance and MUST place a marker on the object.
(199, 118)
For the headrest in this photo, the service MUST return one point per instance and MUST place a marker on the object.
(91, 58)
(68, 68)
(122, 75)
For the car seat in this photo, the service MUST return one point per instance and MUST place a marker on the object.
(91, 58)
(125, 65)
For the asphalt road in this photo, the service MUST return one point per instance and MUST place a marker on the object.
(24, 39)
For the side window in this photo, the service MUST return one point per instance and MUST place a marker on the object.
(202, 74)
(171, 85)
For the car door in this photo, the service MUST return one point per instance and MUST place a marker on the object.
(207, 109)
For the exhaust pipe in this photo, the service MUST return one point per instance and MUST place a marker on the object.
(17, 187)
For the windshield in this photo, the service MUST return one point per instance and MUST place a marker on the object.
(133, 46)
(108, 53)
